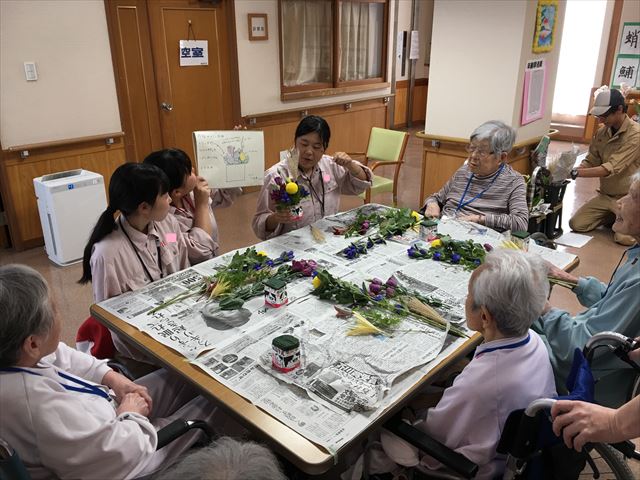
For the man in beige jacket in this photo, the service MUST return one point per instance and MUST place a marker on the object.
(614, 155)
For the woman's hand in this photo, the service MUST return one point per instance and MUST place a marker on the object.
(558, 273)
(122, 386)
(352, 166)
(134, 402)
(201, 192)
(580, 422)
(432, 210)
(479, 219)
(283, 216)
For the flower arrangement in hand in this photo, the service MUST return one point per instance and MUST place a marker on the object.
(457, 252)
(287, 194)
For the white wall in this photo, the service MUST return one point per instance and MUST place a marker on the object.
(75, 94)
(259, 65)
(479, 51)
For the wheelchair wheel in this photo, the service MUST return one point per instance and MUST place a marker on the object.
(615, 463)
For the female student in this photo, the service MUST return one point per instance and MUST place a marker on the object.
(142, 244)
(186, 205)
(325, 177)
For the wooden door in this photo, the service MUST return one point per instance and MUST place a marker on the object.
(130, 39)
(194, 97)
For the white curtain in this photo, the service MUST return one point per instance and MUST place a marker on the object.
(361, 29)
(306, 42)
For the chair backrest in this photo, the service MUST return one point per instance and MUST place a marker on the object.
(386, 145)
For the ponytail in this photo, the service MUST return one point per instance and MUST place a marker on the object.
(131, 184)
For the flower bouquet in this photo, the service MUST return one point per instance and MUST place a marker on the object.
(457, 252)
(394, 221)
(287, 194)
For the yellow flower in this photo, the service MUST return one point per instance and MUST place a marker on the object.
(436, 243)
(316, 282)
(291, 188)
(219, 288)
(416, 215)
(262, 253)
(363, 327)
(243, 156)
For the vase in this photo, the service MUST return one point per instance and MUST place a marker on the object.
(296, 212)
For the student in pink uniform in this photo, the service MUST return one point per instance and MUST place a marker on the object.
(186, 206)
(142, 244)
(325, 177)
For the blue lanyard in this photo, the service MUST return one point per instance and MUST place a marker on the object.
(84, 386)
(507, 347)
(462, 203)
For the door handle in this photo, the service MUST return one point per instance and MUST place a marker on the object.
(166, 106)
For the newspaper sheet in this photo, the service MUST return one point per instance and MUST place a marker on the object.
(344, 382)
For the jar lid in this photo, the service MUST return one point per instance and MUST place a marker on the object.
(285, 342)
(520, 234)
(275, 283)
(429, 223)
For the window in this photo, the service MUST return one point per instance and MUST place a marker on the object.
(309, 31)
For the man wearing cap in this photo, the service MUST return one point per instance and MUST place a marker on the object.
(614, 155)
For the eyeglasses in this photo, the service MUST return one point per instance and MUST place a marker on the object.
(479, 153)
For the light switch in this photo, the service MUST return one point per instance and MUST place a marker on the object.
(30, 71)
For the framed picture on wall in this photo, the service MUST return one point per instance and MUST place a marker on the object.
(629, 43)
(545, 33)
(258, 26)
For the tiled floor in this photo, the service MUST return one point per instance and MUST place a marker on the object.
(598, 257)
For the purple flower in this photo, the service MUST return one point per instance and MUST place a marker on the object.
(377, 281)
(374, 288)
(392, 282)
(279, 181)
(437, 256)
(455, 258)
(488, 247)
(391, 291)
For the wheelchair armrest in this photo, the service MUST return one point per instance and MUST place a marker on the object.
(448, 457)
(179, 427)
(626, 448)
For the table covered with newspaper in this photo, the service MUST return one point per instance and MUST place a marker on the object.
(344, 382)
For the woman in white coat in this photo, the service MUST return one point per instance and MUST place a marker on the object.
(67, 414)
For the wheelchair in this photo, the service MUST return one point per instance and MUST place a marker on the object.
(531, 448)
(12, 468)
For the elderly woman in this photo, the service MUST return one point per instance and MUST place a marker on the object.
(613, 306)
(323, 176)
(69, 415)
(485, 190)
(509, 369)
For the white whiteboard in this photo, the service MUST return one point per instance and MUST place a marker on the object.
(75, 94)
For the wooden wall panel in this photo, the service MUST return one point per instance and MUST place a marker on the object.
(350, 129)
(18, 174)
(419, 102)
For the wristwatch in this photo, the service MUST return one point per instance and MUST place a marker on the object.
(574, 174)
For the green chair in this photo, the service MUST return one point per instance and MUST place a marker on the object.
(386, 147)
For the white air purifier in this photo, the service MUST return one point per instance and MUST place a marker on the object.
(69, 204)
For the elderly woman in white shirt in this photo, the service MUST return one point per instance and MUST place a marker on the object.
(510, 368)
(67, 414)
(325, 177)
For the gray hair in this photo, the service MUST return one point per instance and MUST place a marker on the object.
(24, 310)
(227, 459)
(513, 287)
(499, 135)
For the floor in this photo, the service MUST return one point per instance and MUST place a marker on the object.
(598, 257)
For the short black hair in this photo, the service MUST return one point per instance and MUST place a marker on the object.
(174, 162)
(314, 123)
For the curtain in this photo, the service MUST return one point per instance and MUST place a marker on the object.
(361, 29)
(306, 42)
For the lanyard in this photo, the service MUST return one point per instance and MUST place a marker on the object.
(313, 190)
(144, 266)
(462, 203)
(616, 269)
(84, 386)
(507, 347)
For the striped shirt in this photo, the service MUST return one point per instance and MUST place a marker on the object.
(503, 203)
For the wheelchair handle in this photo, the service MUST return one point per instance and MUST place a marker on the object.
(613, 339)
(540, 404)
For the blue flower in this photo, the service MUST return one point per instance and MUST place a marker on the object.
(437, 256)
(455, 258)
(476, 262)
(269, 263)
(257, 266)
(377, 298)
